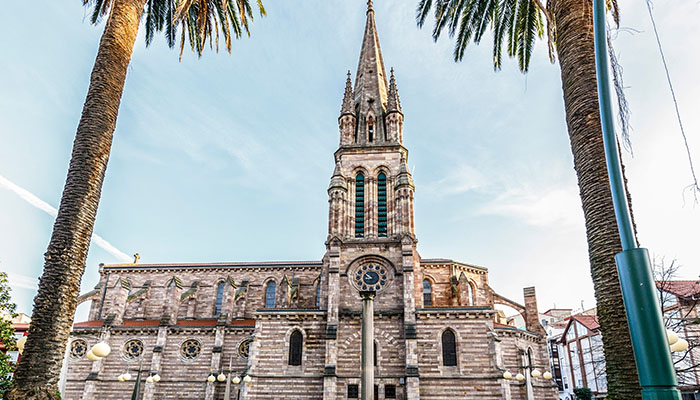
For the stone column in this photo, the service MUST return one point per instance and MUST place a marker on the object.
(216, 355)
(149, 389)
(367, 386)
(90, 389)
(329, 375)
(409, 319)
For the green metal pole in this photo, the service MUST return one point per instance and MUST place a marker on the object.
(651, 350)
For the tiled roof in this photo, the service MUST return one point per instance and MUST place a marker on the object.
(589, 321)
(680, 288)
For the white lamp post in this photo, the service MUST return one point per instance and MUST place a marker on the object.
(536, 373)
(507, 375)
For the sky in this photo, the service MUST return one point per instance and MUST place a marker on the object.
(228, 157)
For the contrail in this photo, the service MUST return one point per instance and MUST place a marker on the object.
(33, 200)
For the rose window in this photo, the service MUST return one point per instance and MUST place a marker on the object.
(190, 349)
(244, 348)
(133, 349)
(78, 348)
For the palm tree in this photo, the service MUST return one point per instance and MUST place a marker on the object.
(515, 25)
(54, 305)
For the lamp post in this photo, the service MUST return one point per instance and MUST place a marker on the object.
(152, 378)
(654, 364)
(225, 375)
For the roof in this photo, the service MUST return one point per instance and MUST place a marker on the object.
(247, 264)
(589, 321)
(450, 261)
(680, 288)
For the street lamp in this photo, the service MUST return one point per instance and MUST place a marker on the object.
(657, 376)
(226, 374)
(153, 377)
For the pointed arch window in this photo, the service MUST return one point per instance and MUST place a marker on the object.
(295, 344)
(470, 294)
(449, 349)
(360, 205)
(318, 294)
(381, 205)
(219, 299)
(270, 294)
(427, 293)
(375, 353)
(370, 132)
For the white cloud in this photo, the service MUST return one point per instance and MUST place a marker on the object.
(538, 206)
(35, 201)
(22, 281)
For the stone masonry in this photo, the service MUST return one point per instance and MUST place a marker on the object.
(294, 327)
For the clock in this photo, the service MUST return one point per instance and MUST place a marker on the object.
(370, 278)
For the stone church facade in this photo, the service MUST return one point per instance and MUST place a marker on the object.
(294, 327)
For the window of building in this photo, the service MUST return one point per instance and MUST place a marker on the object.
(318, 294)
(389, 391)
(219, 298)
(427, 293)
(376, 391)
(375, 354)
(370, 132)
(78, 348)
(353, 391)
(470, 294)
(270, 294)
(295, 342)
(449, 349)
(190, 349)
(360, 205)
(133, 349)
(381, 205)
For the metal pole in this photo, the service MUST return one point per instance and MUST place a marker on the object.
(227, 394)
(137, 384)
(367, 388)
(647, 331)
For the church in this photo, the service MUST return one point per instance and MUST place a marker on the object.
(294, 329)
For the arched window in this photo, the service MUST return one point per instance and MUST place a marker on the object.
(427, 293)
(375, 354)
(219, 298)
(470, 294)
(270, 294)
(381, 205)
(318, 294)
(370, 132)
(360, 205)
(295, 342)
(449, 349)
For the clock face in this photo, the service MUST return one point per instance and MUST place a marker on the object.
(370, 278)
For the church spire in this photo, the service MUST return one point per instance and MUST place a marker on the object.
(370, 80)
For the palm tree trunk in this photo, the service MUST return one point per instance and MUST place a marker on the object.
(64, 262)
(574, 30)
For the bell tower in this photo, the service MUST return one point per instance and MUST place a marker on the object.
(371, 190)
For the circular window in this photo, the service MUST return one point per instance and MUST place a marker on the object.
(133, 349)
(78, 348)
(244, 348)
(190, 349)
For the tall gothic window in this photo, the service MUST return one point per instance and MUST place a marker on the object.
(360, 205)
(449, 349)
(370, 132)
(219, 298)
(427, 293)
(381, 205)
(470, 294)
(270, 294)
(318, 294)
(295, 342)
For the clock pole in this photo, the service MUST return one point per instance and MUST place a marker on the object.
(367, 345)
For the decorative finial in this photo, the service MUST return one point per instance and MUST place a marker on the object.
(136, 258)
(369, 5)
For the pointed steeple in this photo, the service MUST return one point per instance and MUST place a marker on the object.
(393, 103)
(370, 80)
(348, 107)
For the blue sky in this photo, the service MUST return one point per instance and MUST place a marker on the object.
(227, 158)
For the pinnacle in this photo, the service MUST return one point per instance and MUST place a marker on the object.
(393, 102)
(347, 107)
